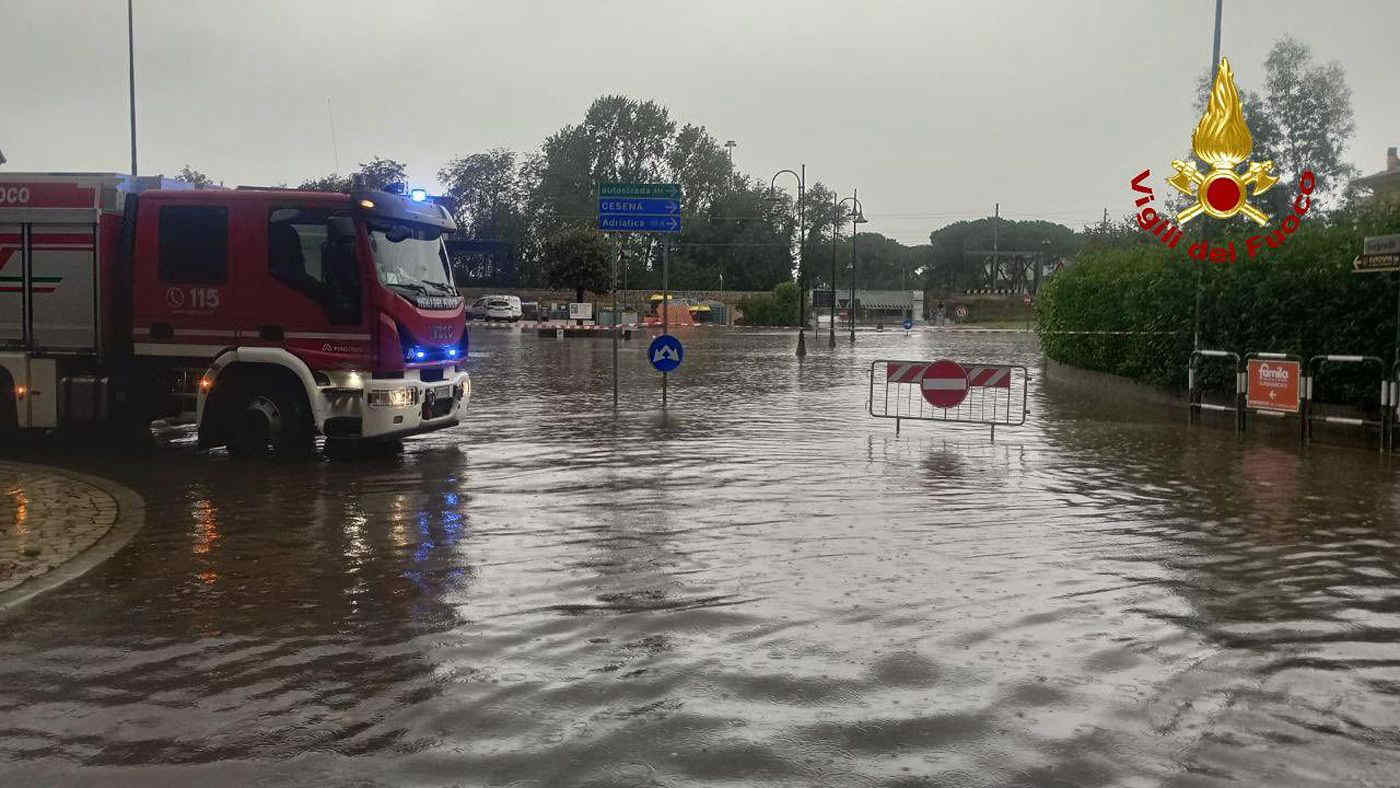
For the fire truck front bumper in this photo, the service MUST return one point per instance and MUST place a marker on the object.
(393, 408)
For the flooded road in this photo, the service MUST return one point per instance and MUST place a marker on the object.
(761, 586)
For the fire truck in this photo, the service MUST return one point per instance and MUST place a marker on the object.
(265, 316)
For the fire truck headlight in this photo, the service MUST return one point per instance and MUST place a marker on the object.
(393, 398)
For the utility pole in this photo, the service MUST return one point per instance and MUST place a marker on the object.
(1215, 52)
(1200, 271)
(131, 79)
(996, 247)
(616, 264)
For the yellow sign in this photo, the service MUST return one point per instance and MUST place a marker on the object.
(1223, 141)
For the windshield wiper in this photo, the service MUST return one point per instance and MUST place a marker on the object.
(446, 288)
(414, 286)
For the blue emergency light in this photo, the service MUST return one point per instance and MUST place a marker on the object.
(418, 195)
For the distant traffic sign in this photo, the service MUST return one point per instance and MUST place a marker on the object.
(665, 353)
(944, 384)
(633, 206)
(908, 324)
(664, 190)
(629, 223)
(639, 207)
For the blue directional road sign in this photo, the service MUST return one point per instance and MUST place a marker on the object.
(648, 205)
(638, 224)
(908, 324)
(639, 207)
(665, 353)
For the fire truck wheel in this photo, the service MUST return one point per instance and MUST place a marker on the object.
(269, 415)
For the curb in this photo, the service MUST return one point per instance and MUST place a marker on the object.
(131, 515)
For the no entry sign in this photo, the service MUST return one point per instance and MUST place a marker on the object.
(944, 384)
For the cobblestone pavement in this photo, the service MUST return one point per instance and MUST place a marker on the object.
(46, 518)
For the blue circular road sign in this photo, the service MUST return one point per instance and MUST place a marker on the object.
(908, 324)
(665, 353)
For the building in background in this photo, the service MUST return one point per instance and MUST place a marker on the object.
(882, 307)
(1385, 185)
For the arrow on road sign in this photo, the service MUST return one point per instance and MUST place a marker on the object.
(638, 206)
(639, 224)
(665, 353)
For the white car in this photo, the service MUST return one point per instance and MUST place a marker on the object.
(497, 307)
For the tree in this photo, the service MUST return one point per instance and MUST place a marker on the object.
(327, 183)
(1302, 121)
(778, 308)
(379, 173)
(620, 139)
(1310, 105)
(375, 174)
(821, 213)
(960, 258)
(484, 186)
(192, 176)
(579, 258)
(488, 202)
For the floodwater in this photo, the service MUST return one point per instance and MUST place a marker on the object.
(761, 585)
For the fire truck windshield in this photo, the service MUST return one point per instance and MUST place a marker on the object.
(412, 257)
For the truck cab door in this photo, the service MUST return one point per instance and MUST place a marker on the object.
(316, 288)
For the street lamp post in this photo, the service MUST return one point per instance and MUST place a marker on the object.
(801, 248)
(835, 220)
(131, 80)
(857, 217)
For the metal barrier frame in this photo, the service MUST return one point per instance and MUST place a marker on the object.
(1245, 410)
(1315, 365)
(1194, 394)
(1025, 396)
(1391, 405)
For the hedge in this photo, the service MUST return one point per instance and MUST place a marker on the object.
(1301, 298)
(778, 308)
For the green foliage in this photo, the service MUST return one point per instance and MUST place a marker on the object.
(1301, 298)
(374, 174)
(955, 262)
(579, 258)
(776, 309)
(1302, 120)
(194, 177)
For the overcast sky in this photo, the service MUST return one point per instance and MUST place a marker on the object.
(935, 111)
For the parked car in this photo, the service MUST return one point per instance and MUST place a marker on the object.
(496, 307)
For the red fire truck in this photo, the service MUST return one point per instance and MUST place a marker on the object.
(265, 315)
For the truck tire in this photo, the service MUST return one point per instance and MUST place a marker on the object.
(268, 415)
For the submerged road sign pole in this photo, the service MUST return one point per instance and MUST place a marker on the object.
(617, 262)
(645, 208)
(665, 304)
